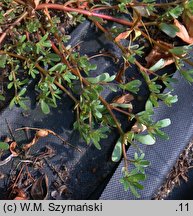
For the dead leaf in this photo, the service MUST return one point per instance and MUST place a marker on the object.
(188, 21)
(124, 99)
(39, 190)
(157, 53)
(42, 133)
(12, 149)
(39, 134)
(138, 128)
(29, 145)
(123, 35)
(19, 198)
(36, 2)
(33, 3)
(183, 33)
(20, 194)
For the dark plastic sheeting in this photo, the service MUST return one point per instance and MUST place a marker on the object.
(163, 154)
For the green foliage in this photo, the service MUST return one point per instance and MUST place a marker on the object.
(132, 86)
(42, 43)
(145, 139)
(2, 61)
(188, 75)
(91, 112)
(33, 25)
(180, 50)
(169, 29)
(153, 128)
(49, 93)
(131, 181)
(189, 6)
(4, 146)
(176, 11)
(2, 98)
(139, 162)
(117, 152)
(168, 99)
(44, 106)
(85, 65)
(158, 65)
(105, 77)
(168, 81)
(19, 99)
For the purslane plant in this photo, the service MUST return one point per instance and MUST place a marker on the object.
(32, 43)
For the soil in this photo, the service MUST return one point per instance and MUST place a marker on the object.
(178, 174)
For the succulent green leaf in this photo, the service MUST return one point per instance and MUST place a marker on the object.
(44, 106)
(4, 146)
(105, 77)
(145, 139)
(163, 123)
(158, 65)
(176, 11)
(136, 177)
(2, 61)
(169, 29)
(132, 86)
(117, 152)
(125, 106)
(188, 75)
(134, 191)
(2, 98)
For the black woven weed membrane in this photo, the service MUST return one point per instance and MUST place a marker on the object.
(82, 171)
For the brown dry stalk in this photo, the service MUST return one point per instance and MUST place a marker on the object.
(43, 133)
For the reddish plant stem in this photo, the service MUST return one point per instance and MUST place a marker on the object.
(121, 111)
(125, 156)
(84, 12)
(107, 105)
